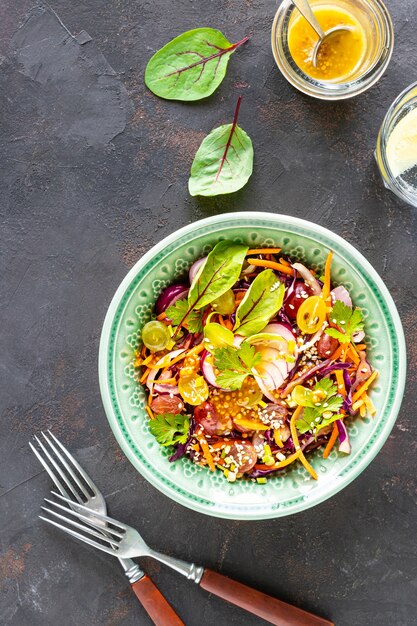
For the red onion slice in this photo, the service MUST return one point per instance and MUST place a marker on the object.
(195, 267)
(308, 278)
(342, 294)
(208, 369)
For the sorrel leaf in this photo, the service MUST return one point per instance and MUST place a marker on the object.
(191, 66)
(224, 161)
(219, 273)
(262, 301)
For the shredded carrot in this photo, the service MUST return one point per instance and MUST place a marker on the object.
(326, 287)
(225, 323)
(284, 261)
(362, 410)
(195, 447)
(290, 459)
(166, 381)
(263, 251)
(352, 352)
(161, 316)
(360, 346)
(180, 357)
(337, 353)
(150, 413)
(340, 383)
(331, 442)
(294, 436)
(277, 439)
(369, 404)
(145, 375)
(364, 386)
(207, 454)
(356, 405)
(143, 351)
(222, 443)
(271, 264)
(239, 297)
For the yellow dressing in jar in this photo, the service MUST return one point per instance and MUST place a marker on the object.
(340, 55)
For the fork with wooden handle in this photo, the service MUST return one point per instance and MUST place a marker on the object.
(124, 541)
(74, 483)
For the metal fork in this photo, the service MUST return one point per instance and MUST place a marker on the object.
(125, 542)
(74, 483)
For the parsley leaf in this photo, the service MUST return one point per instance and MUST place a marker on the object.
(326, 385)
(348, 321)
(312, 417)
(178, 311)
(169, 429)
(235, 364)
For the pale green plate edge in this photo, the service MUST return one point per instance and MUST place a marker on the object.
(396, 334)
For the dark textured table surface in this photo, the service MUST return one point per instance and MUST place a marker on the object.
(94, 171)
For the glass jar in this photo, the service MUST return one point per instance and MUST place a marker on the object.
(403, 184)
(377, 25)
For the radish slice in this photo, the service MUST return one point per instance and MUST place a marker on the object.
(358, 336)
(308, 277)
(195, 267)
(265, 389)
(342, 294)
(283, 331)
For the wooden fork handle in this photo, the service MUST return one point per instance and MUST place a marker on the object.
(157, 607)
(269, 608)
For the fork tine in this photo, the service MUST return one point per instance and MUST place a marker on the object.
(55, 479)
(104, 518)
(75, 463)
(90, 519)
(91, 542)
(64, 478)
(86, 529)
(67, 466)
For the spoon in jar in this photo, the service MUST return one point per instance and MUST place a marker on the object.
(306, 11)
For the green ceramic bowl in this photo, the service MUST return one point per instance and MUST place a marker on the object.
(124, 399)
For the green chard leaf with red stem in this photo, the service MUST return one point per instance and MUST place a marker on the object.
(224, 161)
(218, 274)
(191, 66)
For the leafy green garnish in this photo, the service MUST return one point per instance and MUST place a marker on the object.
(224, 161)
(218, 274)
(169, 429)
(262, 300)
(178, 312)
(349, 322)
(235, 364)
(312, 417)
(191, 66)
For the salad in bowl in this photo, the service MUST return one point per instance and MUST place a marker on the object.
(252, 361)
(245, 355)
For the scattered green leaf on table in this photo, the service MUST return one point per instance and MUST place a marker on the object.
(191, 66)
(262, 300)
(224, 161)
(169, 429)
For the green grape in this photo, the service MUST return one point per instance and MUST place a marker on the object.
(155, 335)
(302, 396)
